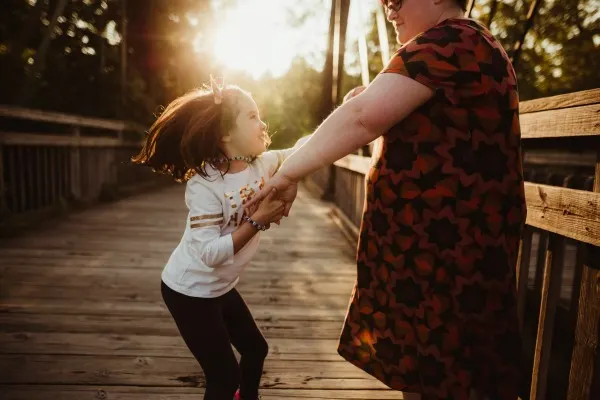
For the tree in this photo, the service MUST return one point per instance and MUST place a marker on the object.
(559, 54)
(334, 60)
(39, 59)
(73, 65)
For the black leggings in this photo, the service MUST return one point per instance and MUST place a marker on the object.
(209, 327)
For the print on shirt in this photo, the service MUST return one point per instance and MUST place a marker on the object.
(236, 199)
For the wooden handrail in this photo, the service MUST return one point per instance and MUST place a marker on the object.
(568, 212)
(43, 139)
(67, 119)
(569, 100)
(567, 115)
(566, 122)
(81, 159)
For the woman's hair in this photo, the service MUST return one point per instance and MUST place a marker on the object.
(462, 3)
(187, 135)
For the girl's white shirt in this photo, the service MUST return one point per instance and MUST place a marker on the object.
(204, 263)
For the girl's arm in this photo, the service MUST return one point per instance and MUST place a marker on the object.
(242, 235)
(206, 218)
(270, 210)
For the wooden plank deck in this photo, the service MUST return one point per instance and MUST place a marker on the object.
(81, 315)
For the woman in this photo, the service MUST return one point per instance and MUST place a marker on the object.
(433, 311)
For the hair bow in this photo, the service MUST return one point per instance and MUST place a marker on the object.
(216, 90)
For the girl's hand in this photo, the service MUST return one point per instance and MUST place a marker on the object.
(268, 210)
(287, 190)
(250, 210)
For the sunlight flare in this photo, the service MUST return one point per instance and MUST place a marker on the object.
(254, 37)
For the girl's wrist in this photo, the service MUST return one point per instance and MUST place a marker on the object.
(260, 218)
(257, 222)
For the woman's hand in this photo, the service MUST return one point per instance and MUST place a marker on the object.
(270, 210)
(285, 188)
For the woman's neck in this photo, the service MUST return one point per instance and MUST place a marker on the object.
(452, 12)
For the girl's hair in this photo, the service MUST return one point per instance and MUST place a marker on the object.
(187, 135)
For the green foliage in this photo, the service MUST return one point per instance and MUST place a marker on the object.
(561, 55)
(78, 62)
(82, 68)
(81, 71)
(288, 103)
(561, 52)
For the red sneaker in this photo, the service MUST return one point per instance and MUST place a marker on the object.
(237, 396)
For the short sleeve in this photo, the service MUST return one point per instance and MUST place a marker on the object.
(272, 160)
(438, 58)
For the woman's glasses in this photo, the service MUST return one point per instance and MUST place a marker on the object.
(393, 5)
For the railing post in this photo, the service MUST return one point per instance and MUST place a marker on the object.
(76, 166)
(553, 267)
(339, 19)
(523, 262)
(3, 205)
(584, 378)
(329, 192)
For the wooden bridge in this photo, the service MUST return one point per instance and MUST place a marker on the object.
(80, 309)
(82, 318)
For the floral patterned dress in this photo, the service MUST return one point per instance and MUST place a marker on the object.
(434, 306)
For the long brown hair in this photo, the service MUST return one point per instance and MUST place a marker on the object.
(187, 135)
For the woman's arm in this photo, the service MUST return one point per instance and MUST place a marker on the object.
(385, 102)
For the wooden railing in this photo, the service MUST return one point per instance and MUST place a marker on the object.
(49, 160)
(559, 259)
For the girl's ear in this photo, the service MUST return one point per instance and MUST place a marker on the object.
(226, 137)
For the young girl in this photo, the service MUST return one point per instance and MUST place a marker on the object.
(215, 140)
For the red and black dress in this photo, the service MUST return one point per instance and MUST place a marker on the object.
(434, 307)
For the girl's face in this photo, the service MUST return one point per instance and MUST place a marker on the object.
(249, 135)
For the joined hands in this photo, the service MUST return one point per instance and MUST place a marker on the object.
(284, 187)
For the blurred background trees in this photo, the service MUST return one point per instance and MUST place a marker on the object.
(126, 58)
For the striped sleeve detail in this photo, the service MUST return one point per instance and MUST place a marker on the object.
(204, 224)
(203, 217)
(207, 220)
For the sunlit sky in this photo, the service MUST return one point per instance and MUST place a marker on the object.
(260, 36)
(263, 36)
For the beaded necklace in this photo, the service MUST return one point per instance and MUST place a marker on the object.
(223, 160)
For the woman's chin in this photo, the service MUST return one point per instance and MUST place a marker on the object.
(400, 38)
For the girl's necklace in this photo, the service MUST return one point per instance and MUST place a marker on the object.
(223, 160)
